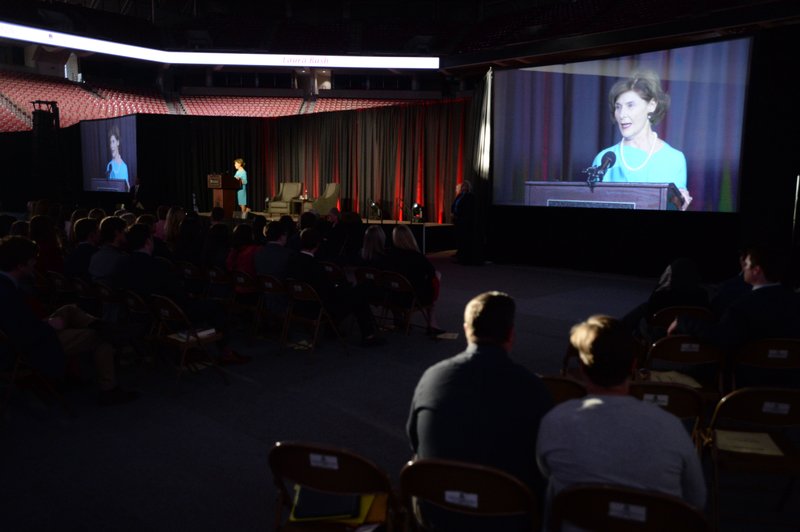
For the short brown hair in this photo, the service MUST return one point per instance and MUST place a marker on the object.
(647, 85)
(489, 318)
(16, 250)
(606, 349)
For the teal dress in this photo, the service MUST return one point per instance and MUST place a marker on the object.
(667, 165)
(242, 194)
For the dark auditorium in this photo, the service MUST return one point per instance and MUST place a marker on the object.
(433, 265)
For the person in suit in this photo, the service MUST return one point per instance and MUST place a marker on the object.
(87, 235)
(273, 258)
(339, 301)
(463, 211)
(50, 340)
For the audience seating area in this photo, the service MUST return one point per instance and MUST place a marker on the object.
(241, 106)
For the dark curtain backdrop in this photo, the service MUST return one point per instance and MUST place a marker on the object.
(550, 125)
(395, 156)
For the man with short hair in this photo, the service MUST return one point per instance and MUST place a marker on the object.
(767, 310)
(479, 406)
(76, 264)
(112, 243)
(611, 437)
(273, 257)
(48, 341)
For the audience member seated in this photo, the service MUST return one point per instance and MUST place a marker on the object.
(273, 258)
(187, 246)
(104, 262)
(42, 230)
(161, 222)
(172, 225)
(6, 220)
(353, 230)
(160, 248)
(307, 221)
(19, 228)
(241, 257)
(768, 310)
(373, 250)
(217, 215)
(339, 301)
(216, 247)
(479, 406)
(679, 285)
(146, 276)
(610, 437)
(259, 224)
(97, 213)
(406, 259)
(729, 290)
(51, 341)
(87, 238)
(76, 215)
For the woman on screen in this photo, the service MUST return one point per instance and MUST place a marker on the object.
(116, 169)
(637, 104)
(241, 175)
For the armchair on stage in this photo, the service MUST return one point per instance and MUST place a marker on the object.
(323, 204)
(282, 203)
(653, 196)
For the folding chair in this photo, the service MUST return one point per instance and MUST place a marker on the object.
(623, 509)
(682, 401)
(63, 289)
(20, 371)
(305, 473)
(773, 359)
(401, 300)
(195, 279)
(747, 434)
(369, 278)
(246, 297)
(664, 317)
(563, 388)
(274, 302)
(682, 352)
(175, 330)
(305, 306)
(335, 273)
(467, 491)
(220, 286)
(87, 297)
(140, 316)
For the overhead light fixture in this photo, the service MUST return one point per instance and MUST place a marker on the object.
(75, 42)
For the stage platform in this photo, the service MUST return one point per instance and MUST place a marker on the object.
(431, 237)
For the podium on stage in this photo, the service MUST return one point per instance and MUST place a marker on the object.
(652, 196)
(225, 187)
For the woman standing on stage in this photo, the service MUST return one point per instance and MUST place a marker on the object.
(241, 175)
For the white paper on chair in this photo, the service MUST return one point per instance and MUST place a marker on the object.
(747, 442)
(674, 377)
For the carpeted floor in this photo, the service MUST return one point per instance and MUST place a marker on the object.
(194, 455)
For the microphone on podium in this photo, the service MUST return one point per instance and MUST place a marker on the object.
(596, 173)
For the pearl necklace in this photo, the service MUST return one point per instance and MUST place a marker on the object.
(649, 155)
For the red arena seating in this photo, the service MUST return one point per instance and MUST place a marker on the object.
(241, 106)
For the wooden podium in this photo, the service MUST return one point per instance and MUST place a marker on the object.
(652, 196)
(225, 187)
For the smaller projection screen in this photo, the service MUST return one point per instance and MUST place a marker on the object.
(598, 124)
(108, 152)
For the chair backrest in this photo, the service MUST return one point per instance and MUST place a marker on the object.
(665, 316)
(106, 292)
(334, 272)
(135, 303)
(170, 315)
(289, 190)
(684, 350)
(563, 388)
(331, 190)
(328, 469)
(467, 489)
(244, 282)
(269, 284)
(300, 291)
(367, 275)
(681, 401)
(770, 353)
(771, 407)
(618, 508)
(397, 283)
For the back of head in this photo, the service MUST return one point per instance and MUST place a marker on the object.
(217, 214)
(242, 235)
(161, 212)
(42, 229)
(606, 349)
(403, 238)
(137, 236)
(6, 220)
(772, 260)
(308, 219)
(147, 219)
(274, 231)
(489, 318)
(109, 228)
(374, 242)
(309, 239)
(97, 213)
(16, 250)
(84, 228)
